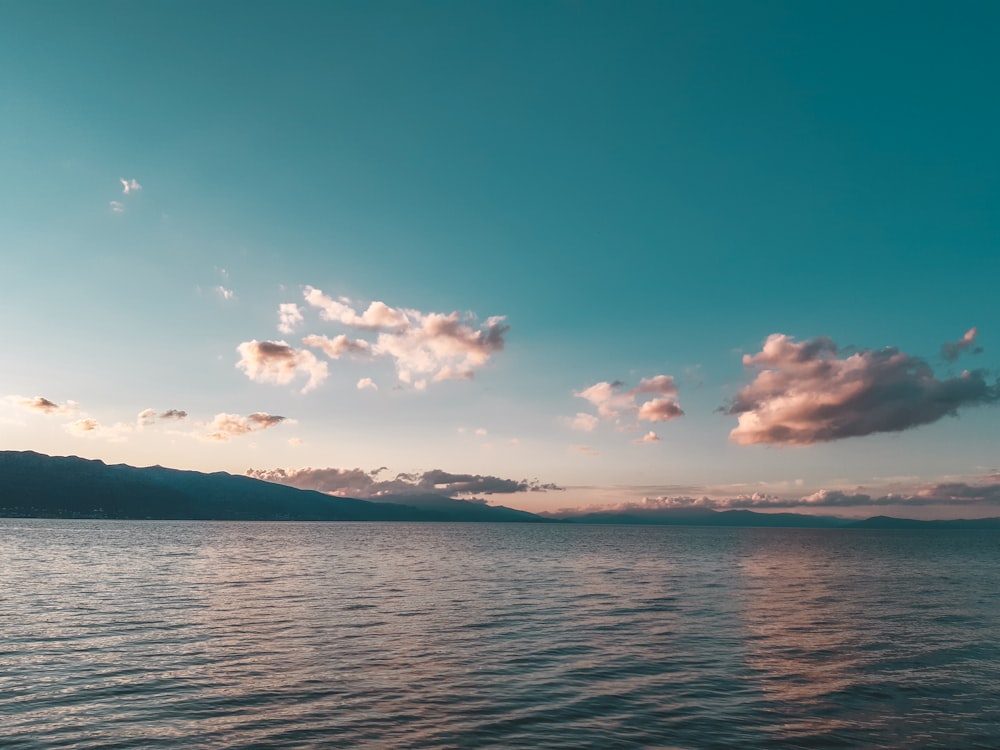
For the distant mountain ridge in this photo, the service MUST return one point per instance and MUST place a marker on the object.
(34, 484)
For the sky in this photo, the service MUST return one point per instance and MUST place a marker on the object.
(550, 254)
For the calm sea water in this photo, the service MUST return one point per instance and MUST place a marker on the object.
(118, 634)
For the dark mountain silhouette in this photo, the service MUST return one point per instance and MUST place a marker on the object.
(33, 484)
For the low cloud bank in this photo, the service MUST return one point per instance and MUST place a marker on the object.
(805, 392)
(984, 492)
(360, 483)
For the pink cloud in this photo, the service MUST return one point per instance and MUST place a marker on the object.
(660, 410)
(43, 405)
(226, 426)
(338, 346)
(649, 437)
(583, 422)
(950, 350)
(277, 362)
(614, 401)
(367, 383)
(804, 393)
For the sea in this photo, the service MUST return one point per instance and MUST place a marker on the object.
(168, 634)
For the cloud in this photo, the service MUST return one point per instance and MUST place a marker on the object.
(360, 483)
(129, 186)
(91, 428)
(649, 437)
(338, 346)
(378, 316)
(442, 347)
(277, 362)
(614, 402)
(367, 383)
(39, 403)
(586, 450)
(803, 393)
(149, 416)
(659, 410)
(117, 207)
(81, 426)
(226, 426)
(226, 294)
(582, 421)
(950, 350)
(289, 317)
(425, 347)
(986, 492)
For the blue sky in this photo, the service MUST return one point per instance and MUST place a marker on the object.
(637, 190)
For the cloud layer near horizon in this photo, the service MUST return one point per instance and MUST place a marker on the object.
(983, 492)
(804, 393)
(359, 483)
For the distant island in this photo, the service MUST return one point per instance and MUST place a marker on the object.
(34, 485)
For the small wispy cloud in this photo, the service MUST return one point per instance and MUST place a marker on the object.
(44, 405)
(226, 294)
(148, 417)
(950, 350)
(586, 450)
(289, 317)
(227, 426)
(649, 437)
(130, 186)
(367, 383)
(117, 207)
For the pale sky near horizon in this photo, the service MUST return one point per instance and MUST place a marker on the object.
(737, 254)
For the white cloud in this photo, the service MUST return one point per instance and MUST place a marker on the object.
(130, 186)
(425, 347)
(289, 317)
(277, 362)
(338, 346)
(117, 207)
(367, 383)
(226, 294)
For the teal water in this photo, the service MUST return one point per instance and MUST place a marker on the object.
(299, 635)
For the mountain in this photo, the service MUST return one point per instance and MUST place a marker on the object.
(749, 518)
(33, 484)
(705, 517)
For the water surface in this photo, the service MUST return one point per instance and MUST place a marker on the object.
(297, 635)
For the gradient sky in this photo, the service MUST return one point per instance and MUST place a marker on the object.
(739, 254)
